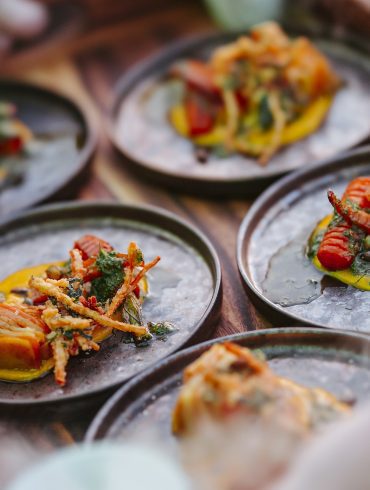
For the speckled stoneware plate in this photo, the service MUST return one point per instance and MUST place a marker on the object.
(139, 125)
(59, 153)
(271, 249)
(185, 287)
(336, 361)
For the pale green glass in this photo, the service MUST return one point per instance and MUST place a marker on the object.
(239, 14)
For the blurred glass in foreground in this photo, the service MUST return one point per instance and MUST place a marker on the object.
(238, 14)
(104, 466)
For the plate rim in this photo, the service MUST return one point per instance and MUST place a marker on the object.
(84, 157)
(279, 189)
(142, 69)
(204, 325)
(105, 417)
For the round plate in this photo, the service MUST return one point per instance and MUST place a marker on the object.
(139, 125)
(63, 145)
(336, 361)
(271, 249)
(185, 287)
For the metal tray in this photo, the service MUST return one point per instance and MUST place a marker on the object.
(139, 128)
(336, 361)
(65, 142)
(278, 277)
(185, 287)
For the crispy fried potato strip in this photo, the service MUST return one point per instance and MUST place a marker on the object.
(45, 287)
(55, 320)
(77, 265)
(128, 286)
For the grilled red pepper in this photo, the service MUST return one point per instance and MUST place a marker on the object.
(90, 245)
(200, 114)
(11, 146)
(340, 243)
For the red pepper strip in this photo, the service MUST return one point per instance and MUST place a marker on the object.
(359, 218)
(39, 300)
(137, 292)
(92, 303)
(92, 274)
(199, 114)
(90, 245)
(11, 146)
(197, 75)
(242, 100)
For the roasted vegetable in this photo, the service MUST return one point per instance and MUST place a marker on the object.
(231, 381)
(255, 95)
(52, 312)
(339, 244)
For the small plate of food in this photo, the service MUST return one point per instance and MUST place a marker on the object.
(46, 142)
(226, 114)
(303, 246)
(265, 392)
(92, 294)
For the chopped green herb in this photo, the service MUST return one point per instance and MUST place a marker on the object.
(265, 116)
(161, 329)
(106, 286)
(139, 257)
(74, 290)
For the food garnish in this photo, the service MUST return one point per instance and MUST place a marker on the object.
(13, 133)
(339, 246)
(255, 95)
(14, 136)
(50, 313)
(229, 380)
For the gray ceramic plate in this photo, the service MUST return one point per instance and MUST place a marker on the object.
(335, 361)
(185, 287)
(62, 148)
(139, 125)
(271, 243)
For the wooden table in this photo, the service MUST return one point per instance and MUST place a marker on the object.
(87, 68)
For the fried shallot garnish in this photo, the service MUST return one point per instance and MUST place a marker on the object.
(45, 287)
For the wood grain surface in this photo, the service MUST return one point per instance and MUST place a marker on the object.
(86, 68)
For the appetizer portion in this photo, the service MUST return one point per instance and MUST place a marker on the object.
(229, 380)
(255, 95)
(14, 136)
(340, 244)
(49, 313)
